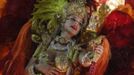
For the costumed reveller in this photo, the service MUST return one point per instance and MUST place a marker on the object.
(67, 42)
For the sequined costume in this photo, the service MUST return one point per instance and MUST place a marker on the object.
(61, 38)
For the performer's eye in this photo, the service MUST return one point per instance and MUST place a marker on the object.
(73, 19)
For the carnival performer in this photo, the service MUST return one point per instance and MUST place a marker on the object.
(65, 43)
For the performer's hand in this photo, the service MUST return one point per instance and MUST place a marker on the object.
(47, 69)
(99, 49)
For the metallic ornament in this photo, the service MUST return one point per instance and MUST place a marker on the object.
(85, 58)
(62, 63)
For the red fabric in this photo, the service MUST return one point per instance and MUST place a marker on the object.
(131, 2)
(119, 28)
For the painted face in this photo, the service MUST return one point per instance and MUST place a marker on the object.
(72, 25)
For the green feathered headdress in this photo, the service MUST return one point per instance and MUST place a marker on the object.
(49, 14)
(46, 15)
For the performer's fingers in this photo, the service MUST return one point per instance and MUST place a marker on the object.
(41, 68)
(56, 69)
(54, 72)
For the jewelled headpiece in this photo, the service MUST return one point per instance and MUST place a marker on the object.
(77, 8)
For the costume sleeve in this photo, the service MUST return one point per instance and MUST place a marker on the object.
(93, 52)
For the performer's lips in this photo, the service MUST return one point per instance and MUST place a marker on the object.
(74, 27)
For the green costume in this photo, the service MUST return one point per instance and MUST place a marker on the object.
(54, 48)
